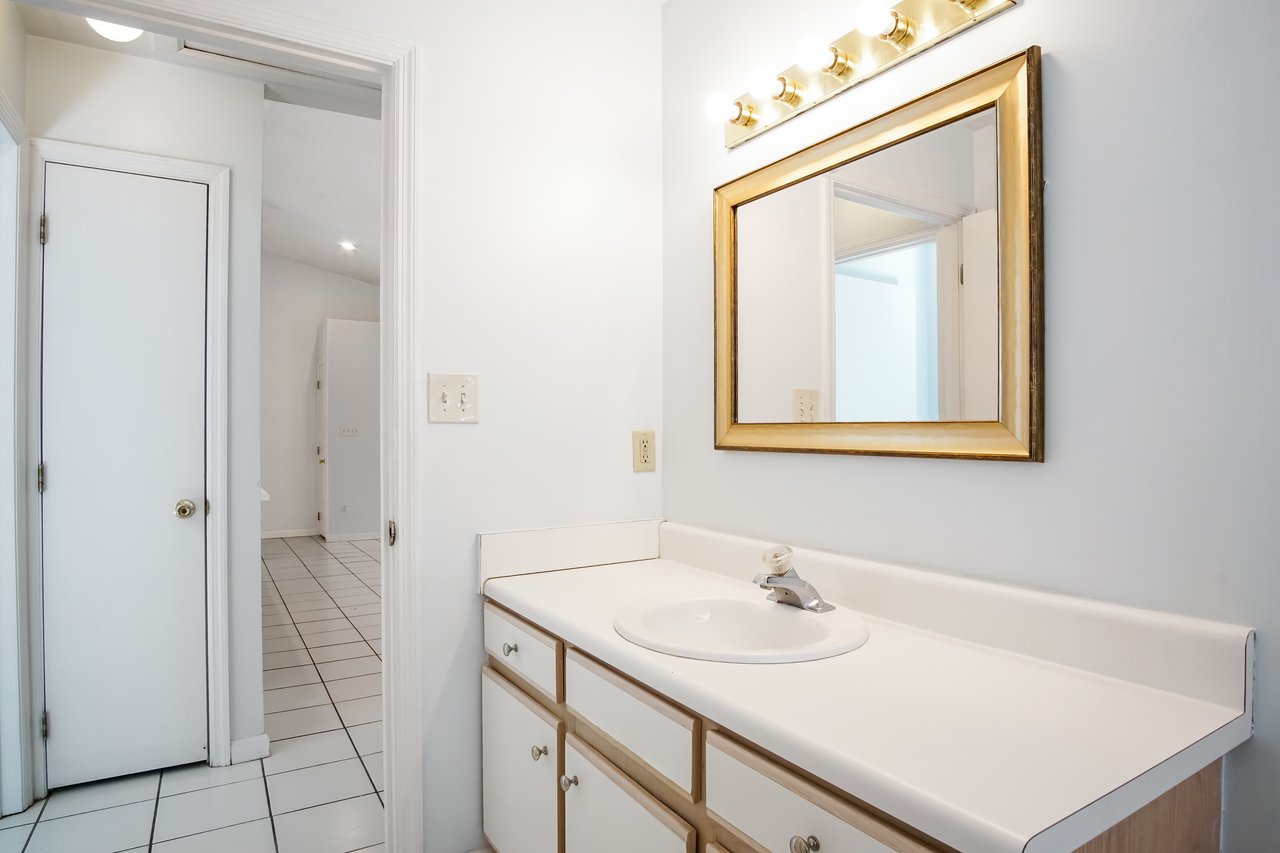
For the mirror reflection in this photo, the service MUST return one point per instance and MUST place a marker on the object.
(871, 292)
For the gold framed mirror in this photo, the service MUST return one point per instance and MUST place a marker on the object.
(881, 292)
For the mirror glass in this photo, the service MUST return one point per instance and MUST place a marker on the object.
(870, 293)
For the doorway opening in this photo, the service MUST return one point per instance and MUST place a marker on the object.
(237, 42)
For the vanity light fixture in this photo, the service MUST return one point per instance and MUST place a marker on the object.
(886, 32)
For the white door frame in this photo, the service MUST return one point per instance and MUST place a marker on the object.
(351, 53)
(217, 623)
(16, 779)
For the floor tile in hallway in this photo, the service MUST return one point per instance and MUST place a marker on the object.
(320, 791)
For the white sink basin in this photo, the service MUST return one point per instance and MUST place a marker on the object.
(739, 631)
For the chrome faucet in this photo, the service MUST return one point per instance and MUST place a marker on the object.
(787, 587)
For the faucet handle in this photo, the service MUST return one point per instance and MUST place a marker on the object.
(778, 559)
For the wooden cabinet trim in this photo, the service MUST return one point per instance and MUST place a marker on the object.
(669, 819)
(528, 627)
(635, 690)
(839, 808)
(523, 698)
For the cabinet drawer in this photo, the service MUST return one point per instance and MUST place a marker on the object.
(655, 731)
(606, 811)
(768, 806)
(520, 783)
(529, 653)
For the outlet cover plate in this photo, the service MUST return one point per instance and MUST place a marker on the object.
(455, 398)
(644, 451)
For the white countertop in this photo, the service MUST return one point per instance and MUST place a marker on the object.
(983, 749)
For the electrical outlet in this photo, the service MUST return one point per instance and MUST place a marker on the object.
(804, 405)
(348, 432)
(644, 450)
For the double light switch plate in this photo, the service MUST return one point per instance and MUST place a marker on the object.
(455, 398)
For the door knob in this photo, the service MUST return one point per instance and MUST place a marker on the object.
(321, 461)
(538, 751)
(185, 508)
(509, 648)
(804, 845)
(566, 783)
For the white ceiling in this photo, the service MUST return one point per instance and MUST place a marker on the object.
(321, 183)
(321, 175)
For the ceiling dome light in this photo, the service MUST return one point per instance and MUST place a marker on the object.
(114, 32)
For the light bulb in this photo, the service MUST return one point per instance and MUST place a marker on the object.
(114, 32)
(874, 18)
(814, 55)
(347, 246)
(720, 108)
(765, 85)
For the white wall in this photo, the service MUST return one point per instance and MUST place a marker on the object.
(13, 56)
(540, 253)
(1158, 488)
(349, 349)
(90, 96)
(296, 299)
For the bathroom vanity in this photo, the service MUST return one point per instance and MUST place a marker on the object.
(974, 717)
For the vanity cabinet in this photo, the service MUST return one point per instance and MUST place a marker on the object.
(521, 761)
(604, 809)
(579, 758)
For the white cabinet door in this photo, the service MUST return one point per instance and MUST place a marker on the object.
(521, 798)
(605, 810)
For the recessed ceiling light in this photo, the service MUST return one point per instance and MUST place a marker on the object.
(347, 246)
(114, 32)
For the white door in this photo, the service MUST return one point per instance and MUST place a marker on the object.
(123, 442)
(521, 798)
(322, 449)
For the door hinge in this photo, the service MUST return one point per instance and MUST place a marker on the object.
(40, 478)
(962, 275)
(44, 726)
(44, 229)
(317, 516)
(317, 450)
(391, 534)
(317, 384)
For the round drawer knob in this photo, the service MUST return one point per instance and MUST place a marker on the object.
(508, 649)
(566, 783)
(537, 752)
(804, 845)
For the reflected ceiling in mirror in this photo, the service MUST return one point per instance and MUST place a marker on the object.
(870, 292)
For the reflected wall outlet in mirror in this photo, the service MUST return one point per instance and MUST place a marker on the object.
(454, 398)
(804, 405)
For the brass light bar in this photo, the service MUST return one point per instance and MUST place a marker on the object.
(911, 27)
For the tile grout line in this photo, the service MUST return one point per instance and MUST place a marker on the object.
(43, 805)
(155, 812)
(336, 712)
(271, 815)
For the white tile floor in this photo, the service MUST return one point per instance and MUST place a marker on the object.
(318, 792)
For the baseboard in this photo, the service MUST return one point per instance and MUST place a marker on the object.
(250, 748)
(286, 534)
(350, 537)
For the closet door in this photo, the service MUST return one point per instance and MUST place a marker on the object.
(520, 765)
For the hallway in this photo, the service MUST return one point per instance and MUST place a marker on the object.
(318, 792)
